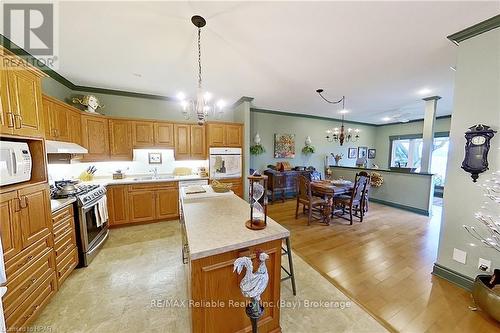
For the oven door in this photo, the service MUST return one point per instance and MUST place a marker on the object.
(90, 232)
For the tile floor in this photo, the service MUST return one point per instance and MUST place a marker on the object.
(141, 264)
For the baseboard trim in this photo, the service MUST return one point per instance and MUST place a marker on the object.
(404, 207)
(450, 275)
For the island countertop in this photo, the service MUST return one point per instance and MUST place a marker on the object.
(217, 225)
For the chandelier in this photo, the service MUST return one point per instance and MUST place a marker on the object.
(336, 134)
(202, 106)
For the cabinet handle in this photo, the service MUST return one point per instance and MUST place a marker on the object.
(54, 132)
(18, 121)
(24, 201)
(10, 119)
(29, 284)
(17, 204)
(26, 261)
(32, 312)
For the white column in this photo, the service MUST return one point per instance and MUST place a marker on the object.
(428, 133)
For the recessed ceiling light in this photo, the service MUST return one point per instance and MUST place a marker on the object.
(424, 91)
(181, 96)
(386, 119)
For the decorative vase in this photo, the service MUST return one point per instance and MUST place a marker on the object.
(485, 298)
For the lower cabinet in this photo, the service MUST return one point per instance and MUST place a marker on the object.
(236, 185)
(145, 202)
(65, 250)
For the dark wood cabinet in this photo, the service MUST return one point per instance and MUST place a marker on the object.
(283, 183)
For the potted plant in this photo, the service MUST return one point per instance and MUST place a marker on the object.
(308, 148)
(484, 292)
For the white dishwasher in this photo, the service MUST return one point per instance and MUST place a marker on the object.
(192, 182)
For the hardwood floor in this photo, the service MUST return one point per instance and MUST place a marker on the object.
(385, 264)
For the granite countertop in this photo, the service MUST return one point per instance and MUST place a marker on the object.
(383, 170)
(56, 204)
(139, 179)
(217, 225)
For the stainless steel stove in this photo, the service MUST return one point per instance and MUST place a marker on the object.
(92, 230)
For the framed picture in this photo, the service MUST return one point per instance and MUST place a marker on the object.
(284, 145)
(362, 152)
(372, 153)
(154, 158)
(352, 153)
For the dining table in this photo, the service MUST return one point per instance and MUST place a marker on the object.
(329, 189)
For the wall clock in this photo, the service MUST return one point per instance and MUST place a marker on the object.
(476, 150)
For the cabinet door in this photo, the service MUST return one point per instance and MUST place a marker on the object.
(164, 134)
(95, 138)
(142, 206)
(198, 146)
(26, 102)
(236, 185)
(6, 115)
(182, 141)
(49, 119)
(61, 122)
(9, 225)
(117, 204)
(167, 203)
(143, 134)
(234, 136)
(75, 127)
(35, 214)
(216, 135)
(120, 141)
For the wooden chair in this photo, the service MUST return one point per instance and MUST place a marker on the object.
(314, 206)
(354, 203)
(366, 197)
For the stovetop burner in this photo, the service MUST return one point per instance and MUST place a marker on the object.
(81, 189)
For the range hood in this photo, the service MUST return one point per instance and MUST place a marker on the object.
(58, 147)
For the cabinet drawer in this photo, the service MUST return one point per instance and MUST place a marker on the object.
(62, 214)
(20, 288)
(29, 255)
(63, 227)
(32, 306)
(66, 266)
(153, 186)
(64, 245)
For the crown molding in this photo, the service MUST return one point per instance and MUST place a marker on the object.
(477, 29)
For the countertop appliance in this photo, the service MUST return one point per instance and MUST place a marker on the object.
(3, 290)
(15, 162)
(91, 235)
(225, 163)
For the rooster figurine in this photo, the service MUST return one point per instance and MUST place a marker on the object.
(253, 285)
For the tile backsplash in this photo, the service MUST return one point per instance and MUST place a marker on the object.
(139, 165)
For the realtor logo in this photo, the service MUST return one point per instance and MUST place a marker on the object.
(30, 26)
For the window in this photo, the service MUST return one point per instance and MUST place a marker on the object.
(406, 152)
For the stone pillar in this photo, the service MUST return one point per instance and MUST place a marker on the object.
(428, 133)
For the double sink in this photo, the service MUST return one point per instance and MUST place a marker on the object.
(154, 178)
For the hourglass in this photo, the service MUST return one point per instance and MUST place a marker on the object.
(258, 202)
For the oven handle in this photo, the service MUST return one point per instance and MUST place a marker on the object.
(100, 243)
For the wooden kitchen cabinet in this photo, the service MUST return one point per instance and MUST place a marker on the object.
(66, 255)
(95, 137)
(224, 134)
(182, 141)
(236, 185)
(167, 203)
(198, 148)
(117, 204)
(21, 98)
(35, 213)
(62, 121)
(120, 139)
(142, 206)
(75, 127)
(164, 134)
(143, 134)
(9, 226)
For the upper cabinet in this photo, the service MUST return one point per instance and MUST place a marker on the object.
(62, 121)
(21, 100)
(120, 139)
(189, 142)
(95, 137)
(143, 134)
(224, 135)
(75, 126)
(164, 134)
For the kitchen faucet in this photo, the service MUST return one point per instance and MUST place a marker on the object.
(155, 172)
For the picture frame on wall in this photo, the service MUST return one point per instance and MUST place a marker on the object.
(154, 158)
(352, 153)
(362, 152)
(284, 145)
(372, 153)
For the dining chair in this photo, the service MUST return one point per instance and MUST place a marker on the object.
(314, 206)
(353, 203)
(366, 197)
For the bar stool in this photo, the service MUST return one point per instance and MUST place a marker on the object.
(289, 273)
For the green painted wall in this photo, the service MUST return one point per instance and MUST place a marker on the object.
(267, 124)
(477, 87)
(384, 132)
(55, 89)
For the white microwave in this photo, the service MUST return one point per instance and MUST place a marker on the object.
(15, 162)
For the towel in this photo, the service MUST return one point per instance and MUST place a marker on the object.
(102, 205)
(98, 221)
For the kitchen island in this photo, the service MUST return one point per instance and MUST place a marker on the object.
(214, 236)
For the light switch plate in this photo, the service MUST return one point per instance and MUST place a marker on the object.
(486, 263)
(459, 255)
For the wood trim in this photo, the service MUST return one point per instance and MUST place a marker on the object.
(475, 30)
(456, 278)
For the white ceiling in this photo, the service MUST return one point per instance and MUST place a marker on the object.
(378, 54)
